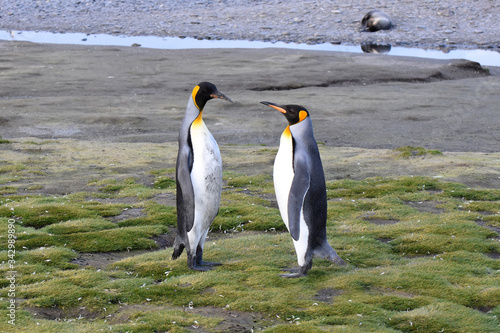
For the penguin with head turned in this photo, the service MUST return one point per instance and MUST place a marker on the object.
(299, 183)
(198, 178)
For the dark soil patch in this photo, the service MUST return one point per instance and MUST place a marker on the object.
(56, 313)
(484, 309)
(384, 240)
(103, 259)
(128, 213)
(166, 199)
(486, 225)
(493, 255)
(230, 320)
(327, 295)
(234, 321)
(165, 240)
(381, 221)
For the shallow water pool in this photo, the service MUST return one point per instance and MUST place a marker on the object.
(484, 57)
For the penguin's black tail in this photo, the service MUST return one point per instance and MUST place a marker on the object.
(178, 248)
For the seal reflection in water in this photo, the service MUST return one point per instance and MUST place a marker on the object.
(376, 48)
(375, 20)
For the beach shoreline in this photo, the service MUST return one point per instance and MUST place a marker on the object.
(444, 25)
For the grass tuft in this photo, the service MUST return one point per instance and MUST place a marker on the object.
(409, 151)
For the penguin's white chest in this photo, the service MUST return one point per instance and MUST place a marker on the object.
(283, 174)
(206, 177)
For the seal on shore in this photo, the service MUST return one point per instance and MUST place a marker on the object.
(375, 20)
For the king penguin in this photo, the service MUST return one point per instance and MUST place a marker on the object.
(299, 184)
(198, 178)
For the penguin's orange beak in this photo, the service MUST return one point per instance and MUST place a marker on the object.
(220, 95)
(275, 106)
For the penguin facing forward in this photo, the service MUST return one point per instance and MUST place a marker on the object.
(375, 20)
(299, 184)
(198, 178)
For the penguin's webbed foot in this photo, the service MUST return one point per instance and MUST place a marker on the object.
(196, 264)
(209, 263)
(294, 272)
(201, 268)
(338, 261)
(293, 275)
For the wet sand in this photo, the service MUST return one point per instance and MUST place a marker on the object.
(359, 104)
(139, 95)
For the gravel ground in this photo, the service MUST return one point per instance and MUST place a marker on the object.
(426, 24)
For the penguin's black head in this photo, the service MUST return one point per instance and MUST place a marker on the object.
(293, 113)
(204, 92)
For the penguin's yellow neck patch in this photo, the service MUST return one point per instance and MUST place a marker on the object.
(193, 94)
(302, 115)
(198, 121)
(286, 133)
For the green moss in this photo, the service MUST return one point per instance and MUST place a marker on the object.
(76, 226)
(409, 269)
(11, 168)
(378, 187)
(39, 212)
(165, 178)
(255, 183)
(155, 214)
(474, 194)
(408, 151)
(8, 190)
(442, 317)
(239, 217)
(117, 239)
(164, 183)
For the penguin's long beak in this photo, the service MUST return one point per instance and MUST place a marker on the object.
(275, 106)
(220, 95)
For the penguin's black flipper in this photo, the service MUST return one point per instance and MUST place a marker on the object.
(298, 190)
(185, 199)
(185, 191)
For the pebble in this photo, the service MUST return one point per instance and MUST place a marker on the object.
(420, 24)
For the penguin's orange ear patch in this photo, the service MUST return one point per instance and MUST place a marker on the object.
(302, 115)
(195, 91)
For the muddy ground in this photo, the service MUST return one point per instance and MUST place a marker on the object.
(125, 94)
(133, 95)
